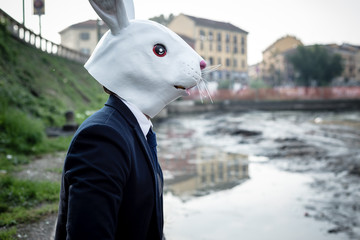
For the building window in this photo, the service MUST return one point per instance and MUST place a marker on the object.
(235, 62)
(243, 64)
(219, 47)
(227, 48)
(219, 61)
(211, 36)
(202, 35)
(242, 50)
(84, 36)
(227, 37)
(219, 37)
(242, 41)
(201, 45)
(85, 51)
(228, 62)
(235, 39)
(211, 61)
(235, 49)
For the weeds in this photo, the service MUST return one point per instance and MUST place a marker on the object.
(18, 132)
(20, 199)
(7, 233)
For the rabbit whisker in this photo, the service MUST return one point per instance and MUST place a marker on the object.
(201, 83)
(210, 69)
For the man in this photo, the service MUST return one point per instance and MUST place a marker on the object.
(112, 183)
(112, 178)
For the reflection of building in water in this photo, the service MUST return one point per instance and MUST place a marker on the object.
(211, 169)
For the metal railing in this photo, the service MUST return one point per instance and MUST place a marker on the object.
(283, 94)
(19, 31)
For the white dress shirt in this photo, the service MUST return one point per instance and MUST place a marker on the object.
(144, 122)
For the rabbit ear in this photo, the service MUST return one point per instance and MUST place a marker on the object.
(113, 13)
(129, 6)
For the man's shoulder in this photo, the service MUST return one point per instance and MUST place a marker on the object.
(105, 118)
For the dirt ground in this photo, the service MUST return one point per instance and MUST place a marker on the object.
(48, 168)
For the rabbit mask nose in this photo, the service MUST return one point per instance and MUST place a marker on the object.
(202, 64)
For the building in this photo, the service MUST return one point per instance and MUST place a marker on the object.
(350, 55)
(83, 36)
(275, 69)
(219, 43)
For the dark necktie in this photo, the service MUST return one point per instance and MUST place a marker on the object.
(151, 139)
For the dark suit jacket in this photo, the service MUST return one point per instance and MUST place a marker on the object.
(111, 185)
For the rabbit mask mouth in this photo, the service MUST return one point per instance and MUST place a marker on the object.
(182, 88)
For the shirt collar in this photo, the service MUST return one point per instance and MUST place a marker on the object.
(144, 122)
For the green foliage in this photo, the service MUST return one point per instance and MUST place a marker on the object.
(18, 132)
(258, 84)
(42, 85)
(9, 162)
(224, 84)
(162, 19)
(23, 215)
(316, 63)
(24, 193)
(36, 89)
(6, 52)
(19, 197)
(8, 233)
(53, 145)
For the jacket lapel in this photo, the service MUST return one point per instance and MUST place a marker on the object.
(116, 103)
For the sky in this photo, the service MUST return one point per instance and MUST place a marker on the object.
(311, 21)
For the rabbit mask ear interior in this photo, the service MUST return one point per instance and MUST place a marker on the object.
(114, 13)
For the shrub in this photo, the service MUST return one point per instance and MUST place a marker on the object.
(18, 132)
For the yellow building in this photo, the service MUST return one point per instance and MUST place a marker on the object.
(275, 68)
(83, 36)
(217, 42)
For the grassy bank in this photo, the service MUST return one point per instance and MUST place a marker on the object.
(36, 89)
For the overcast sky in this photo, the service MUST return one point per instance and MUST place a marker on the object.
(312, 21)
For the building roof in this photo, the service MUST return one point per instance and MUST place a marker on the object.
(345, 47)
(89, 24)
(281, 39)
(215, 24)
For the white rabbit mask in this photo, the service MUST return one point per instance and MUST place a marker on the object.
(142, 61)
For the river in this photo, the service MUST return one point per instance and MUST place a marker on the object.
(261, 175)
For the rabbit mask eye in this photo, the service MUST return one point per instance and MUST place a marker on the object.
(159, 50)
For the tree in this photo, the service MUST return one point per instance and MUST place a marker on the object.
(315, 63)
(162, 19)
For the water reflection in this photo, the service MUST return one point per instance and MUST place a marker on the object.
(208, 152)
(193, 168)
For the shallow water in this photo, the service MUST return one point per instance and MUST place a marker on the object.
(231, 176)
